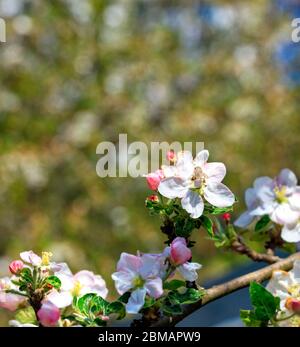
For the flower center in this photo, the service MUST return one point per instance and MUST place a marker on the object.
(77, 288)
(46, 258)
(199, 179)
(280, 194)
(294, 291)
(138, 282)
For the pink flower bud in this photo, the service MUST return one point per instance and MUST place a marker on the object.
(179, 252)
(171, 156)
(16, 266)
(154, 178)
(226, 217)
(153, 198)
(48, 314)
(293, 305)
(104, 318)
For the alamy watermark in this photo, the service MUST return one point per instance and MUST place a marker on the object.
(2, 30)
(137, 159)
(296, 30)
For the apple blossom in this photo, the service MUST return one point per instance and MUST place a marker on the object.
(286, 286)
(278, 198)
(139, 274)
(48, 314)
(179, 252)
(154, 178)
(9, 301)
(16, 266)
(192, 180)
(77, 285)
(291, 232)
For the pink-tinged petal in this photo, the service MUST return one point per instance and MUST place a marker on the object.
(48, 314)
(189, 271)
(291, 233)
(151, 265)
(136, 301)
(173, 187)
(263, 209)
(180, 253)
(91, 283)
(185, 165)
(60, 299)
(123, 281)
(11, 302)
(16, 266)
(31, 258)
(218, 195)
(287, 178)
(244, 220)
(60, 268)
(129, 262)
(154, 178)
(201, 158)
(86, 278)
(99, 287)
(154, 287)
(283, 214)
(215, 172)
(193, 204)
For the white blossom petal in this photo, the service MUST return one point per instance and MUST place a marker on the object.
(136, 301)
(123, 281)
(291, 233)
(184, 165)
(218, 195)
(283, 214)
(189, 271)
(201, 158)
(244, 220)
(154, 287)
(287, 178)
(60, 299)
(173, 187)
(193, 204)
(215, 172)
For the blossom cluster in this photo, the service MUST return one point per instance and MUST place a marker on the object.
(193, 181)
(57, 297)
(277, 198)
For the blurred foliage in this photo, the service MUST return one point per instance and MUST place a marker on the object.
(74, 73)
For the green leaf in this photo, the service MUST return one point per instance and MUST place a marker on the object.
(54, 281)
(249, 319)
(262, 223)
(208, 225)
(170, 309)
(124, 298)
(264, 303)
(190, 296)
(118, 308)
(26, 316)
(26, 275)
(174, 284)
(91, 303)
(217, 210)
(149, 302)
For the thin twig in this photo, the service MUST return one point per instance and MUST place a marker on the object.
(221, 290)
(240, 247)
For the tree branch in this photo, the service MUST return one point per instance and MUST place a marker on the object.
(240, 247)
(221, 290)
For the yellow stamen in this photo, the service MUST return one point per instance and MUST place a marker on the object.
(46, 256)
(280, 193)
(77, 288)
(138, 282)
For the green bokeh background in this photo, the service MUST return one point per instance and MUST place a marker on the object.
(75, 73)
